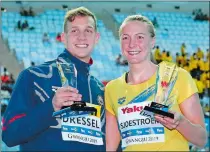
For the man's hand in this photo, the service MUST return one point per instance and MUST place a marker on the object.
(169, 122)
(65, 96)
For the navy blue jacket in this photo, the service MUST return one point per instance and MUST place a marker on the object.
(28, 120)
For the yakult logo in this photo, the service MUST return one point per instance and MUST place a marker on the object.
(133, 109)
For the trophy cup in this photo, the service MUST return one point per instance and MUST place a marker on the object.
(68, 75)
(165, 83)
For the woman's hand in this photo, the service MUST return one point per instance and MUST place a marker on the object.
(169, 122)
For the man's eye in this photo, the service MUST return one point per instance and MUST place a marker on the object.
(124, 38)
(140, 37)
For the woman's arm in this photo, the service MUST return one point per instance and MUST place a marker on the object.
(112, 132)
(192, 127)
(191, 124)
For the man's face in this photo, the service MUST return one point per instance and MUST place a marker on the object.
(81, 37)
(136, 42)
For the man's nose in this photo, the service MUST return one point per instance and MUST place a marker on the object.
(82, 36)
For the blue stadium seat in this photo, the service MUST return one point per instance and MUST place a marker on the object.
(174, 29)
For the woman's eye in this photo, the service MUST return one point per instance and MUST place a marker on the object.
(73, 31)
(89, 31)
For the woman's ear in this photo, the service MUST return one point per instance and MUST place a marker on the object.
(153, 43)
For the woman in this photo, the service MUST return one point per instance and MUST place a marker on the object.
(126, 96)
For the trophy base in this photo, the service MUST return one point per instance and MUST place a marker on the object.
(81, 106)
(76, 106)
(156, 108)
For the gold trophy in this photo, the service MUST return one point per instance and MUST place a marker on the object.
(167, 75)
(68, 74)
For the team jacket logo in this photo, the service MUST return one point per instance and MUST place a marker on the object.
(100, 100)
(164, 84)
(121, 100)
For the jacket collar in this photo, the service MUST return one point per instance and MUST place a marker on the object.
(80, 65)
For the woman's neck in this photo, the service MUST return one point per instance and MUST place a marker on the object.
(141, 72)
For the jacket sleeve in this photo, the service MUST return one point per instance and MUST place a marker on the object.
(24, 119)
(103, 125)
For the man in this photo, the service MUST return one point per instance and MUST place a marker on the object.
(42, 90)
(126, 96)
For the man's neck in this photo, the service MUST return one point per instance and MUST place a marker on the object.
(141, 72)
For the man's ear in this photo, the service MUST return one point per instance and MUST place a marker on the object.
(97, 38)
(63, 37)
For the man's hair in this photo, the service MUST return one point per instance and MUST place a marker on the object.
(80, 11)
(141, 19)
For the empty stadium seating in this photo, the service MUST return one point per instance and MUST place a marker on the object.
(28, 45)
(174, 29)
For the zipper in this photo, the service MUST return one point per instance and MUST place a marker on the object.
(75, 75)
(90, 94)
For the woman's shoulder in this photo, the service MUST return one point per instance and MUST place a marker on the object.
(116, 82)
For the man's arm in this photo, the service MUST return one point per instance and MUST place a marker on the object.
(112, 132)
(23, 119)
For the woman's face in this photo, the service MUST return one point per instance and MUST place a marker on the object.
(136, 42)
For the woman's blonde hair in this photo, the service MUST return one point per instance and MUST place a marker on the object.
(141, 19)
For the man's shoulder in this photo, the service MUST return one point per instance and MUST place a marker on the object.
(97, 81)
(44, 70)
